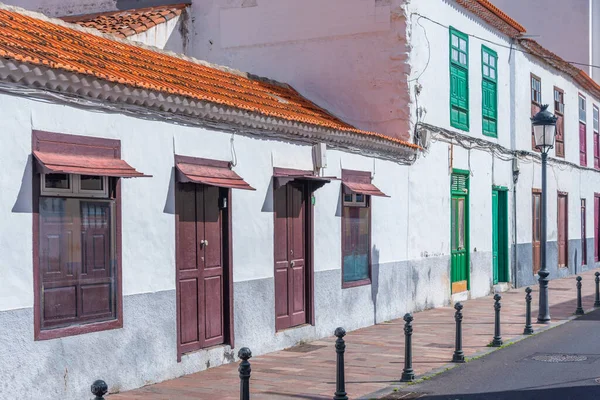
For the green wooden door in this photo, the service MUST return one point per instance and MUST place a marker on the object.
(500, 235)
(459, 232)
(495, 235)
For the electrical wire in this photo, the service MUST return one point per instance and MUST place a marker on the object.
(428, 49)
(510, 47)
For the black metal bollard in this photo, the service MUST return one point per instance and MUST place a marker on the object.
(244, 354)
(579, 310)
(528, 328)
(497, 342)
(408, 375)
(597, 300)
(459, 355)
(340, 380)
(99, 389)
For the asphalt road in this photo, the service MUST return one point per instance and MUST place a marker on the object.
(522, 371)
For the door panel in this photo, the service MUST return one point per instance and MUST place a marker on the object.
(536, 200)
(290, 250)
(282, 315)
(495, 236)
(188, 311)
(459, 243)
(562, 230)
(200, 256)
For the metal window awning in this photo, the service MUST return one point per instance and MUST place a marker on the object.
(283, 176)
(363, 188)
(69, 163)
(208, 172)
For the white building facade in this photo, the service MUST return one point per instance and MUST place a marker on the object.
(385, 227)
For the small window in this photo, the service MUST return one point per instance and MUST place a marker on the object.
(74, 185)
(489, 61)
(582, 113)
(459, 53)
(595, 119)
(536, 90)
(355, 200)
(356, 241)
(559, 102)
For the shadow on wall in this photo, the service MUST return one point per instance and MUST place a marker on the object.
(170, 200)
(24, 200)
(374, 280)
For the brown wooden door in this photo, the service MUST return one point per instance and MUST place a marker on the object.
(290, 256)
(536, 200)
(562, 230)
(200, 267)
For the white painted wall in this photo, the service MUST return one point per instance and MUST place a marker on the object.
(348, 56)
(167, 36)
(579, 183)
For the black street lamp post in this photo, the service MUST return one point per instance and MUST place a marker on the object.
(544, 130)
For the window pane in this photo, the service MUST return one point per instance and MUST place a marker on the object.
(360, 198)
(486, 70)
(454, 41)
(492, 61)
(461, 223)
(76, 258)
(463, 45)
(493, 73)
(462, 58)
(453, 225)
(486, 58)
(348, 197)
(455, 55)
(356, 244)
(89, 182)
(57, 181)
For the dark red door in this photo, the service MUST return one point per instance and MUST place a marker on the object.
(290, 256)
(562, 230)
(200, 267)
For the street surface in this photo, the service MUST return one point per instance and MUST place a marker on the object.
(561, 363)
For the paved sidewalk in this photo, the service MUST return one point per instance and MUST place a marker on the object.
(374, 355)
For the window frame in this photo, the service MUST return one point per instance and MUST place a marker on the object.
(560, 113)
(493, 81)
(535, 101)
(596, 133)
(582, 122)
(349, 175)
(465, 67)
(74, 188)
(114, 187)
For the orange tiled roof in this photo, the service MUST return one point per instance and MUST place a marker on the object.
(128, 22)
(548, 57)
(493, 16)
(42, 42)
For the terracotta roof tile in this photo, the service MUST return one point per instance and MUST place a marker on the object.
(548, 57)
(128, 22)
(41, 42)
(493, 16)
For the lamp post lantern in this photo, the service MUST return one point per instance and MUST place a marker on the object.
(544, 131)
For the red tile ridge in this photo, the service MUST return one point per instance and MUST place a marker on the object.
(502, 15)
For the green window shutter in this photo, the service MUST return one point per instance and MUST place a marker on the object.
(459, 80)
(459, 183)
(489, 93)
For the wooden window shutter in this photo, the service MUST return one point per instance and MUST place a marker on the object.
(459, 80)
(582, 144)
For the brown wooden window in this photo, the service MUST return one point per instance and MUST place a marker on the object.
(596, 139)
(76, 196)
(559, 111)
(536, 102)
(582, 132)
(356, 227)
(536, 202)
(563, 228)
(583, 234)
